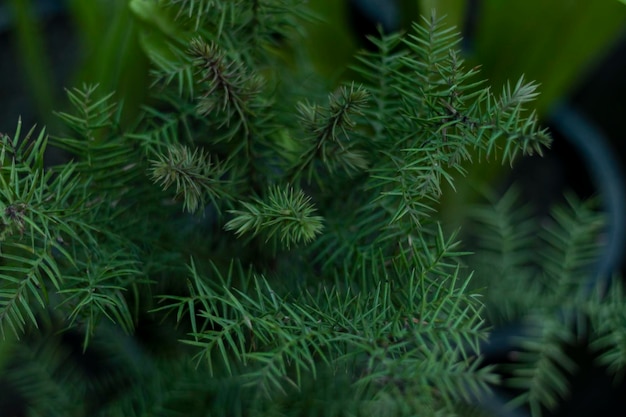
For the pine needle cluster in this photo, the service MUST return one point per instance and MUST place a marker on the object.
(244, 250)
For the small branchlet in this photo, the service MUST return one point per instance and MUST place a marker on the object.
(328, 132)
(92, 115)
(96, 291)
(228, 87)
(505, 122)
(284, 213)
(195, 175)
(334, 123)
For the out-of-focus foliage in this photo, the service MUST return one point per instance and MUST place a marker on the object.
(555, 42)
(107, 51)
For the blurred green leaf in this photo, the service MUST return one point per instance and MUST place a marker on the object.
(31, 51)
(112, 53)
(554, 43)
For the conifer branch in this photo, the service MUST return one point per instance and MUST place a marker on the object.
(279, 339)
(228, 88)
(105, 158)
(286, 214)
(195, 176)
(327, 133)
(445, 116)
(379, 67)
(173, 67)
(47, 229)
(96, 290)
(32, 223)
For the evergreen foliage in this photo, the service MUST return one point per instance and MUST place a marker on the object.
(538, 271)
(250, 247)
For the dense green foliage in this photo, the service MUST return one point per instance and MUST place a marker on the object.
(256, 246)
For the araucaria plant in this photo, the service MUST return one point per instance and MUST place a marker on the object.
(253, 245)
